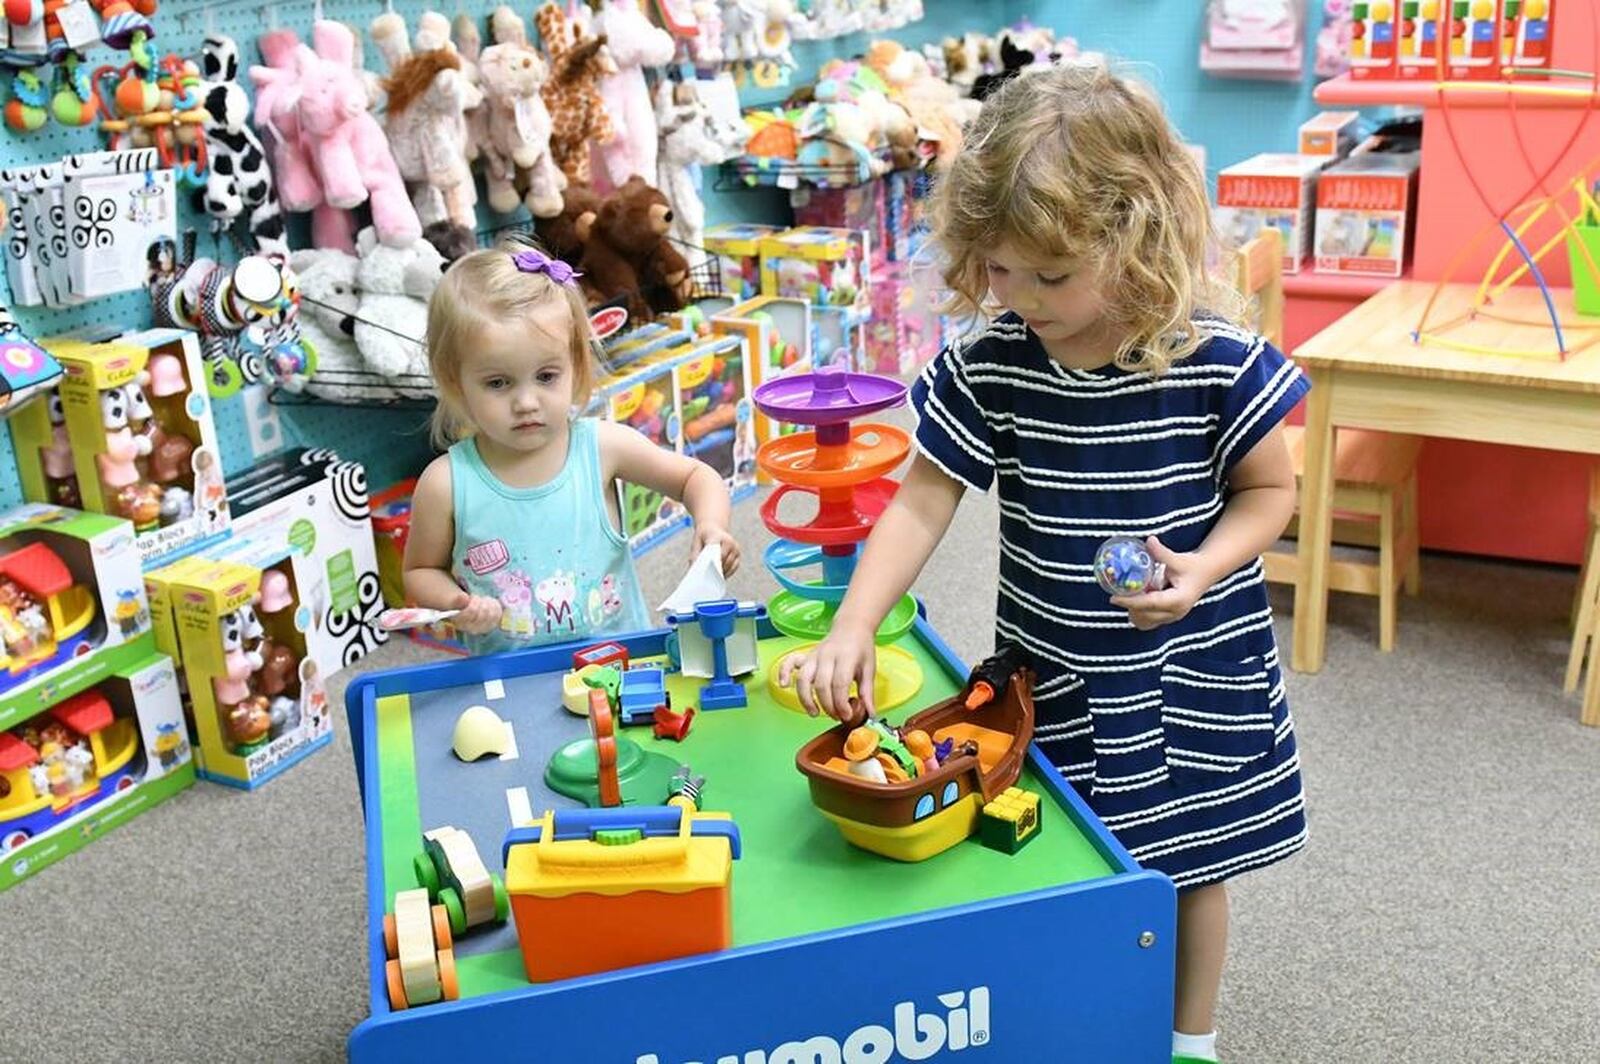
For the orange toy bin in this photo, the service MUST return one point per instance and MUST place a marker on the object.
(593, 890)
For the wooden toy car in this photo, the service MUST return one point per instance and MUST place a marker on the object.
(451, 871)
(422, 965)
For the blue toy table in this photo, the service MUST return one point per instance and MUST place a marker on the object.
(1061, 952)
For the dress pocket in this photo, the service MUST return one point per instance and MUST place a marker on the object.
(1216, 715)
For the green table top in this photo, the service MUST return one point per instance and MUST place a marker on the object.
(797, 875)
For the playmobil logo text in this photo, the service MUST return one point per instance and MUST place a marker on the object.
(916, 1036)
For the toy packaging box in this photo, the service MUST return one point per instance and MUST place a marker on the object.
(259, 701)
(90, 762)
(1329, 133)
(1366, 214)
(1374, 26)
(737, 246)
(312, 507)
(826, 267)
(905, 330)
(143, 441)
(778, 333)
(687, 394)
(1271, 191)
(861, 207)
(72, 604)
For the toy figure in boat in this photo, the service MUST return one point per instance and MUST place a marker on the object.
(83, 755)
(914, 791)
(44, 614)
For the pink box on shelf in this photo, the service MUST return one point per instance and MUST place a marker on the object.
(905, 330)
(857, 207)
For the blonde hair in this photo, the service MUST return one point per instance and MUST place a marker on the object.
(484, 288)
(1075, 162)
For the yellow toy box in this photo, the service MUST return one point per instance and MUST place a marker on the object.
(143, 441)
(244, 658)
(44, 453)
(826, 267)
(737, 246)
(593, 890)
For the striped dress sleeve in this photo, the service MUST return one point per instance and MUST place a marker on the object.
(952, 428)
(1263, 392)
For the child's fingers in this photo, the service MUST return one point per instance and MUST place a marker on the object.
(803, 684)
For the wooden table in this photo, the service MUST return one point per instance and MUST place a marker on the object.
(1368, 372)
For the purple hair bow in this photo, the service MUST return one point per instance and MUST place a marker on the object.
(535, 261)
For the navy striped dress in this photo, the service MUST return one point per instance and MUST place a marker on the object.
(1179, 738)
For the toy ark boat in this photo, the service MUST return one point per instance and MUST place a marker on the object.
(915, 819)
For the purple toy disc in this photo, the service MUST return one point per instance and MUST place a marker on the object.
(827, 397)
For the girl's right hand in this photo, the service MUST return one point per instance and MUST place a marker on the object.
(479, 616)
(822, 677)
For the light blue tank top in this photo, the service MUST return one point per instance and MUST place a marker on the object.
(550, 554)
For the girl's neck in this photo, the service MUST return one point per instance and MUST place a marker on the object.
(527, 467)
(1092, 349)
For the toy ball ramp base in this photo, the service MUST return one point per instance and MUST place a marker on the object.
(897, 680)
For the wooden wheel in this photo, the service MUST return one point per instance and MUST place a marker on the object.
(391, 936)
(447, 975)
(397, 985)
(441, 928)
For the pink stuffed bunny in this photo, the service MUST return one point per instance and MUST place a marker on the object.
(635, 43)
(324, 102)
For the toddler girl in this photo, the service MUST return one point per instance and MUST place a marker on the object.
(1108, 395)
(517, 526)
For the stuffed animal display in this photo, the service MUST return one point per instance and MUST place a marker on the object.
(578, 112)
(517, 164)
(634, 44)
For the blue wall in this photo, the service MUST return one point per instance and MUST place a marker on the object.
(1233, 119)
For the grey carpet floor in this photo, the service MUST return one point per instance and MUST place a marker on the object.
(1446, 909)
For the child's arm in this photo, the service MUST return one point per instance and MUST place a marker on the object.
(1261, 497)
(625, 453)
(426, 566)
(896, 551)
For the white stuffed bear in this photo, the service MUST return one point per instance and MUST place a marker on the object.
(329, 303)
(395, 285)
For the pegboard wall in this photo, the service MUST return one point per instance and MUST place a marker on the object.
(1233, 119)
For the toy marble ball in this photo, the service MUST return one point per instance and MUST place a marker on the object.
(1124, 567)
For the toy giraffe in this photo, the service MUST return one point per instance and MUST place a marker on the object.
(572, 94)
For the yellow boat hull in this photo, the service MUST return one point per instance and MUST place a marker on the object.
(926, 838)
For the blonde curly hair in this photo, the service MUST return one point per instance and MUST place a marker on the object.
(486, 287)
(1075, 162)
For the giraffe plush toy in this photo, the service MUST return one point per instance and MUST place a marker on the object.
(577, 111)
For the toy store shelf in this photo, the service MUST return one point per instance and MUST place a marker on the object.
(354, 388)
(749, 172)
(1311, 285)
(1380, 92)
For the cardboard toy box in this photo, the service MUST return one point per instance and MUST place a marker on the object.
(72, 605)
(143, 440)
(1374, 25)
(259, 701)
(737, 246)
(1366, 214)
(89, 763)
(826, 267)
(1273, 191)
(1329, 133)
(313, 506)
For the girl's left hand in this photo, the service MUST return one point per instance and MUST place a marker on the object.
(705, 535)
(1186, 582)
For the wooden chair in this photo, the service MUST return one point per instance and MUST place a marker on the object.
(1374, 474)
(1258, 274)
(1374, 505)
(1586, 611)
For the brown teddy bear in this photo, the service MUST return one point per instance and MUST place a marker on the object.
(559, 235)
(626, 254)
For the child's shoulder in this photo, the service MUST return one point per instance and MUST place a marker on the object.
(1225, 344)
(1003, 341)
